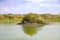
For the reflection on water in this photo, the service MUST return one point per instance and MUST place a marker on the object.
(31, 29)
(30, 32)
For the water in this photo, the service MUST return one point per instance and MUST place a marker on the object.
(28, 32)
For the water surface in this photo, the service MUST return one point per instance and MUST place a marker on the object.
(28, 32)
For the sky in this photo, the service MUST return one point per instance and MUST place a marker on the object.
(26, 6)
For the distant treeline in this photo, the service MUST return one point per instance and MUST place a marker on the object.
(16, 18)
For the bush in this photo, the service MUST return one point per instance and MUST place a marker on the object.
(33, 18)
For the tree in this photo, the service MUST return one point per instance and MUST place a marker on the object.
(33, 18)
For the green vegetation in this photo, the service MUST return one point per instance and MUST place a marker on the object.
(10, 18)
(33, 18)
(30, 17)
(51, 17)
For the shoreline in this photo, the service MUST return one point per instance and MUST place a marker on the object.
(37, 23)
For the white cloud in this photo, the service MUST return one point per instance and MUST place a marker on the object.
(37, 1)
(28, 6)
(5, 9)
(49, 5)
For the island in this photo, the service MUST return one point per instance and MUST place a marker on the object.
(32, 19)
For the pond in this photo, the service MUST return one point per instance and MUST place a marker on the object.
(28, 32)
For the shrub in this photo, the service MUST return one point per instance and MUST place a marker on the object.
(33, 18)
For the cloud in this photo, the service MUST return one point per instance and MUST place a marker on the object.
(49, 5)
(35, 1)
(5, 9)
(43, 1)
(23, 6)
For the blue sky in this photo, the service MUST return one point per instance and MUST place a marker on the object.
(26, 6)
